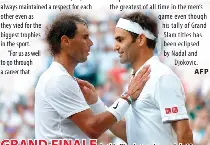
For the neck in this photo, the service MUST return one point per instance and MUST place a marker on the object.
(144, 55)
(69, 65)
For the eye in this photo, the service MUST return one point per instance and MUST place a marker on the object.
(86, 37)
(120, 40)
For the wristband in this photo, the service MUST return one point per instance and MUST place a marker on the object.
(119, 108)
(128, 98)
(98, 107)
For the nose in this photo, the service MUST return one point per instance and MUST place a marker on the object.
(90, 42)
(116, 47)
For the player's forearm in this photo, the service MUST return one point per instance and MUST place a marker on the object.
(106, 120)
(98, 124)
(101, 122)
(119, 129)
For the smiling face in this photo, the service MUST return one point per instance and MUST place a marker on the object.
(78, 48)
(127, 48)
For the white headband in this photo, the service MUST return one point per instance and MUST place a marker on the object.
(134, 27)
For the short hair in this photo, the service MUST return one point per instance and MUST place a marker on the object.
(146, 22)
(64, 24)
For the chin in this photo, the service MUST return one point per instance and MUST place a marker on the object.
(83, 60)
(123, 61)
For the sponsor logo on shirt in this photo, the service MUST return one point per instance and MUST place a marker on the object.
(168, 110)
(175, 110)
(171, 110)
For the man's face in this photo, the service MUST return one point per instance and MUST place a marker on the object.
(79, 46)
(124, 45)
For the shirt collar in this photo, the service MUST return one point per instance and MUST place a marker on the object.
(59, 66)
(148, 62)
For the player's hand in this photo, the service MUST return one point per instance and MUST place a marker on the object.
(137, 83)
(88, 91)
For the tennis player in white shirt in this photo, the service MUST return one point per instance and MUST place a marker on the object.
(159, 115)
(61, 111)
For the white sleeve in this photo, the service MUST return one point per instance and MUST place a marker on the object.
(170, 99)
(64, 95)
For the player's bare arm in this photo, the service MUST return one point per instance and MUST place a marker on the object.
(183, 131)
(95, 125)
(119, 129)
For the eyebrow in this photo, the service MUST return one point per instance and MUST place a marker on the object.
(118, 37)
(86, 34)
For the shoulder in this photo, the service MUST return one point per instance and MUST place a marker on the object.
(54, 79)
(160, 70)
(161, 74)
(61, 82)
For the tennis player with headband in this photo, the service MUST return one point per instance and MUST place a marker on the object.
(61, 111)
(159, 115)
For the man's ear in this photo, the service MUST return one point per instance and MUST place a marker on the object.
(141, 39)
(65, 40)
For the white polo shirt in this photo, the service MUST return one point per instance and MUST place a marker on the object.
(58, 96)
(161, 101)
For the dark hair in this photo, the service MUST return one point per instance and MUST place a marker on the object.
(146, 22)
(64, 24)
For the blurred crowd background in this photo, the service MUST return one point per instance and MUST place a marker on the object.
(110, 78)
